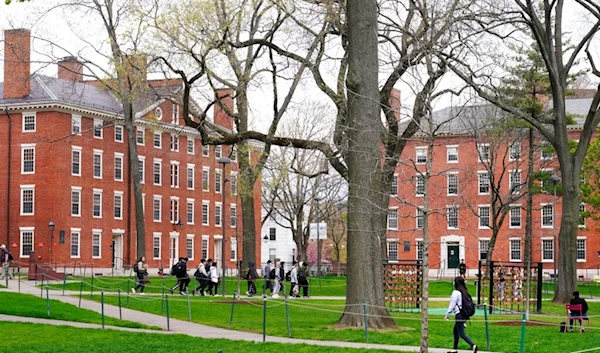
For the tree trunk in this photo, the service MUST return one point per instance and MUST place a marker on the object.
(365, 203)
(248, 182)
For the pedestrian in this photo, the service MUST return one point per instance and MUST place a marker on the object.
(303, 278)
(251, 276)
(5, 259)
(183, 279)
(213, 284)
(279, 278)
(462, 269)
(267, 276)
(294, 280)
(201, 276)
(459, 318)
(576, 300)
(141, 271)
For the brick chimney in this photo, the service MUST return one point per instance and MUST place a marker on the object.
(395, 103)
(225, 95)
(17, 45)
(69, 68)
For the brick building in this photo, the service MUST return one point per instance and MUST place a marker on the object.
(459, 196)
(66, 164)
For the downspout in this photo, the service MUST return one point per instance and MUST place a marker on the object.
(129, 193)
(8, 179)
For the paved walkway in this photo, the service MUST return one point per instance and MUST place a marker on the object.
(179, 326)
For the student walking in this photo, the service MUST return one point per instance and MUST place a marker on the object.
(183, 279)
(278, 284)
(213, 284)
(267, 276)
(303, 278)
(201, 276)
(459, 317)
(294, 280)
(251, 276)
(141, 271)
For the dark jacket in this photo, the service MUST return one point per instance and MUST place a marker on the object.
(584, 306)
(252, 274)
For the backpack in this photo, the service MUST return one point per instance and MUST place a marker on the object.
(467, 306)
(10, 257)
(272, 274)
(135, 268)
(288, 275)
(177, 269)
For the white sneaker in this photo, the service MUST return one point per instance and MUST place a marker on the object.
(142, 293)
(133, 290)
(275, 296)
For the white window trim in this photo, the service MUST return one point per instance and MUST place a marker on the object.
(207, 238)
(479, 246)
(207, 170)
(24, 147)
(231, 207)
(101, 154)
(97, 191)
(417, 154)
(193, 145)
(542, 249)
(221, 184)
(220, 213)
(510, 207)
(99, 232)
(119, 127)
(187, 237)
(78, 232)
(479, 226)
(388, 218)
(542, 205)
(191, 167)
(159, 134)
(586, 246)
(79, 149)
(480, 172)
(207, 203)
(448, 184)
(479, 154)
(121, 156)
(118, 193)
(159, 236)
(22, 188)
(417, 177)
(24, 230)
(98, 123)
(78, 189)
(510, 249)
(448, 217)
(142, 168)
(388, 242)
(76, 120)
(28, 114)
(155, 198)
(175, 179)
(187, 204)
(141, 130)
(159, 162)
(447, 155)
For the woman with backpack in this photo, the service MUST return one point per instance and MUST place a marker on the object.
(251, 276)
(141, 271)
(460, 318)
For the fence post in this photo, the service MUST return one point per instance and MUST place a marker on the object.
(287, 317)
(41, 287)
(92, 285)
(523, 323)
(102, 304)
(264, 318)
(366, 320)
(162, 300)
(487, 329)
(167, 307)
(47, 301)
(119, 295)
(80, 291)
(540, 279)
(232, 307)
(64, 279)
(189, 308)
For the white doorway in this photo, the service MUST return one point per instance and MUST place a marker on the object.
(117, 249)
(173, 248)
(218, 251)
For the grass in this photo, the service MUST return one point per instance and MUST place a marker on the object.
(33, 306)
(36, 338)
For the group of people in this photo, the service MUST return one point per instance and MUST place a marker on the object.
(275, 279)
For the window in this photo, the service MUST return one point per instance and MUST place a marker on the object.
(157, 140)
(28, 122)
(582, 215)
(218, 152)
(452, 154)
(76, 124)
(189, 247)
(394, 191)
(156, 208)
(190, 145)
(205, 213)
(392, 250)
(484, 217)
(141, 167)
(140, 136)
(205, 150)
(76, 201)
(97, 204)
(272, 254)
(27, 238)
(97, 128)
(233, 216)
(547, 151)
(515, 216)
(419, 249)
(452, 184)
(218, 214)
(174, 174)
(27, 199)
(156, 170)
(158, 113)
(421, 154)
(27, 159)
(118, 208)
(547, 216)
(156, 246)
(392, 218)
(96, 244)
(452, 212)
(547, 250)
(420, 185)
(218, 183)
(174, 113)
(484, 182)
(581, 249)
(76, 161)
(514, 153)
(205, 246)
(190, 211)
(515, 181)
(484, 246)
(233, 184)
(273, 234)
(483, 152)
(119, 166)
(515, 250)
(233, 154)
(190, 176)
(118, 133)
(205, 178)
(97, 164)
(174, 210)
(420, 218)
(174, 142)
(75, 237)
(233, 249)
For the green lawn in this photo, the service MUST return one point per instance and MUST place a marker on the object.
(33, 306)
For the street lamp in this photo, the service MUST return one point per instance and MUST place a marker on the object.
(51, 229)
(223, 161)
(318, 199)
(554, 179)
(266, 239)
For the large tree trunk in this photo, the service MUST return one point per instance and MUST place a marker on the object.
(247, 183)
(365, 204)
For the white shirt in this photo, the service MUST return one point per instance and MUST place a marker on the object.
(294, 275)
(214, 276)
(455, 303)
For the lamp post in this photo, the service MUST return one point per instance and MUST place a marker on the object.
(318, 199)
(223, 161)
(51, 229)
(554, 179)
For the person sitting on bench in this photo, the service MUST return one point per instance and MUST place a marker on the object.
(575, 313)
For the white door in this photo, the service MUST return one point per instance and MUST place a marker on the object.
(173, 249)
(218, 252)
(117, 251)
